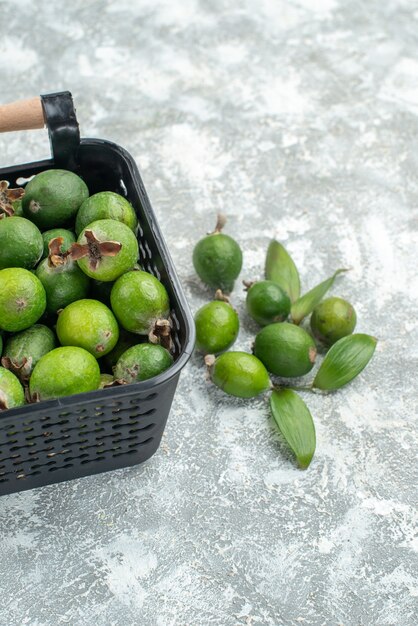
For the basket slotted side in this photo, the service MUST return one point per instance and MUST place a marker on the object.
(103, 430)
(48, 445)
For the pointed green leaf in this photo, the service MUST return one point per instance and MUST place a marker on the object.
(306, 303)
(295, 422)
(281, 268)
(344, 361)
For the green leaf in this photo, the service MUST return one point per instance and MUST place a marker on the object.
(281, 268)
(295, 422)
(344, 361)
(306, 303)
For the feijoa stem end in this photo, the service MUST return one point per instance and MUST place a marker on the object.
(219, 295)
(210, 361)
(220, 223)
(55, 256)
(7, 197)
(32, 399)
(21, 369)
(247, 284)
(312, 354)
(161, 334)
(94, 249)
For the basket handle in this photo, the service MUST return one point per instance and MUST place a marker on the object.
(57, 112)
(22, 115)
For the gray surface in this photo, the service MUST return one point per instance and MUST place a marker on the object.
(299, 120)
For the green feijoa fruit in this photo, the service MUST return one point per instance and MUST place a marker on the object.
(267, 302)
(105, 250)
(64, 372)
(217, 327)
(63, 283)
(88, 324)
(23, 350)
(139, 300)
(21, 243)
(68, 238)
(217, 259)
(333, 319)
(126, 340)
(238, 374)
(141, 362)
(22, 299)
(52, 198)
(285, 349)
(106, 205)
(106, 380)
(11, 391)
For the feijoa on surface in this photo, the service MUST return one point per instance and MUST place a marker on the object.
(217, 326)
(333, 319)
(285, 349)
(217, 259)
(238, 374)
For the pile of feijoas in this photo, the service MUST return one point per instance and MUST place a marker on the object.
(77, 312)
(293, 330)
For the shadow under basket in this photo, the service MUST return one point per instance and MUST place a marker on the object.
(103, 430)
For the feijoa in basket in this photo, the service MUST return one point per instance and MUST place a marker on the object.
(78, 242)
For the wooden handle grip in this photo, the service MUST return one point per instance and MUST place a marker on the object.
(22, 115)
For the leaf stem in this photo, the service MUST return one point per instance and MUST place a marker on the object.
(294, 387)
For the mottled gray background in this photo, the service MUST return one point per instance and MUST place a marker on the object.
(299, 119)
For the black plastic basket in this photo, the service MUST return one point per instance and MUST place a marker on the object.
(116, 427)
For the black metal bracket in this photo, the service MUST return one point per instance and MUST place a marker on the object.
(64, 132)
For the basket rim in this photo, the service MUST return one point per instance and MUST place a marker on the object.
(113, 393)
